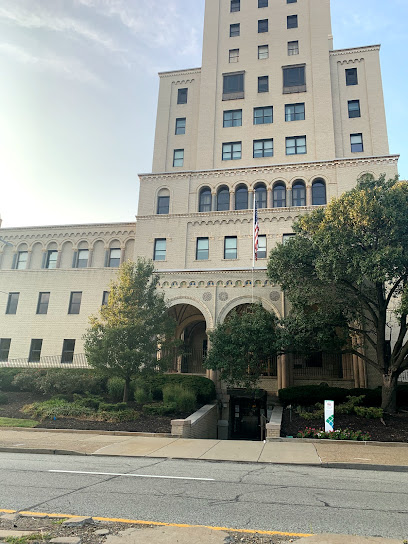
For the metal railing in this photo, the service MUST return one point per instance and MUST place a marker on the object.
(77, 360)
(323, 365)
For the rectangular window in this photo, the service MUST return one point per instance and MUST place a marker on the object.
(292, 21)
(178, 157)
(294, 79)
(262, 247)
(51, 261)
(356, 141)
(232, 118)
(263, 51)
(293, 48)
(82, 259)
(354, 108)
(231, 151)
(263, 116)
(295, 112)
(12, 303)
(4, 348)
(296, 145)
(263, 26)
(235, 30)
(42, 305)
(159, 249)
(233, 55)
(263, 148)
(22, 257)
(202, 249)
(351, 76)
(291, 1)
(35, 350)
(230, 247)
(262, 3)
(181, 125)
(75, 302)
(263, 84)
(182, 96)
(233, 86)
(105, 298)
(287, 237)
(114, 257)
(163, 205)
(68, 349)
(235, 5)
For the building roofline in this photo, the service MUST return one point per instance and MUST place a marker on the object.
(176, 72)
(78, 225)
(361, 49)
(270, 167)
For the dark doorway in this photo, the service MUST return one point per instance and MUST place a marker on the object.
(245, 414)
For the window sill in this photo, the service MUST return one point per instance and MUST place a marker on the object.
(296, 89)
(233, 96)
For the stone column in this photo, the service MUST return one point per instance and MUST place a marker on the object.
(269, 199)
(285, 374)
(356, 371)
(90, 258)
(279, 371)
(288, 197)
(309, 195)
(232, 203)
(251, 196)
(122, 255)
(214, 201)
(59, 255)
(362, 372)
(28, 258)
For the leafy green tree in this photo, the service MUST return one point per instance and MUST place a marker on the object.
(241, 346)
(123, 338)
(345, 274)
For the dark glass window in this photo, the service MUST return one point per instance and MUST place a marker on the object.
(205, 200)
(356, 141)
(68, 349)
(223, 199)
(287, 237)
(82, 258)
(12, 303)
(292, 21)
(42, 305)
(202, 249)
(163, 205)
(22, 257)
(235, 30)
(4, 348)
(75, 302)
(181, 125)
(295, 112)
(182, 96)
(261, 254)
(263, 148)
(35, 350)
(262, 26)
(230, 247)
(159, 249)
(296, 145)
(279, 195)
(291, 1)
(293, 48)
(178, 157)
(261, 196)
(114, 258)
(232, 118)
(263, 116)
(354, 108)
(231, 151)
(351, 76)
(241, 198)
(293, 78)
(105, 298)
(299, 194)
(262, 3)
(52, 256)
(235, 5)
(263, 84)
(319, 193)
(233, 86)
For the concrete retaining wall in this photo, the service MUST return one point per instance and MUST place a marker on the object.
(273, 428)
(201, 424)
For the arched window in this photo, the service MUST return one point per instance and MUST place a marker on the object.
(241, 197)
(223, 199)
(205, 200)
(163, 201)
(319, 193)
(260, 195)
(299, 193)
(279, 195)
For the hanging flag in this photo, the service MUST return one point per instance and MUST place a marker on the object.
(256, 231)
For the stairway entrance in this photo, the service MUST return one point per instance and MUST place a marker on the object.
(246, 411)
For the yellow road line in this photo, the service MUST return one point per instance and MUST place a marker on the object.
(159, 523)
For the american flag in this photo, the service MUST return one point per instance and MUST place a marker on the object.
(256, 232)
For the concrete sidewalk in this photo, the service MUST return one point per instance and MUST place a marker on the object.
(327, 454)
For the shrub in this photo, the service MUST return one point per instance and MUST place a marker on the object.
(345, 434)
(402, 395)
(116, 387)
(203, 388)
(143, 395)
(56, 381)
(309, 395)
(3, 398)
(90, 401)
(372, 397)
(118, 416)
(107, 407)
(369, 413)
(57, 407)
(28, 380)
(184, 399)
(159, 409)
(6, 378)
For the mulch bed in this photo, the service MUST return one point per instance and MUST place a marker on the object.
(394, 430)
(145, 423)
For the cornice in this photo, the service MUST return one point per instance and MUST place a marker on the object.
(82, 226)
(186, 72)
(272, 169)
(362, 49)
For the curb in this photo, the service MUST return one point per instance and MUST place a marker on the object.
(85, 431)
(41, 451)
(342, 442)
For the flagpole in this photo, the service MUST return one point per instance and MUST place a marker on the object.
(253, 245)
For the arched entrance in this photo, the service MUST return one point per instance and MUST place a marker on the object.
(191, 330)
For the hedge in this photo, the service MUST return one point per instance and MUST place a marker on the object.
(203, 388)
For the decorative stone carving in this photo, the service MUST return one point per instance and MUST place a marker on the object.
(207, 296)
(274, 296)
(223, 296)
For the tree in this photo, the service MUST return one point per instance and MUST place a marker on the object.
(345, 273)
(123, 339)
(241, 346)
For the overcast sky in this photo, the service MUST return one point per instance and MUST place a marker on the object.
(78, 93)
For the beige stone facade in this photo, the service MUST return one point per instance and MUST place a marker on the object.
(278, 114)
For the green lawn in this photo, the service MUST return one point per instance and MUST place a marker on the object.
(12, 422)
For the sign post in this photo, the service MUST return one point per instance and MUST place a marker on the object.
(329, 416)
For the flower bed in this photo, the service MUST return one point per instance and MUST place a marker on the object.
(340, 434)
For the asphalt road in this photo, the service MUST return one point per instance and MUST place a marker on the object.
(236, 495)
